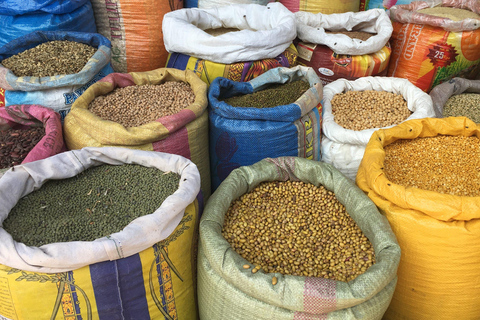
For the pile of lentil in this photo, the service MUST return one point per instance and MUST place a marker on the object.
(361, 35)
(275, 95)
(296, 228)
(96, 203)
(454, 14)
(463, 105)
(134, 106)
(220, 31)
(50, 58)
(15, 144)
(360, 110)
(445, 164)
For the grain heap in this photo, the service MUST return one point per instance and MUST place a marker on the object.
(136, 105)
(360, 35)
(465, 105)
(445, 164)
(360, 110)
(296, 228)
(455, 14)
(96, 203)
(220, 31)
(15, 144)
(50, 58)
(275, 95)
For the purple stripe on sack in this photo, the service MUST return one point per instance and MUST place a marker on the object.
(119, 289)
(319, 298)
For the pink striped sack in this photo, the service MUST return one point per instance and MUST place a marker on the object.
(22, 116)
(184, 133)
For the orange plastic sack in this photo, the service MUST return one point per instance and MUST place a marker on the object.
(134, 28)
(439, 234)
(429, 50)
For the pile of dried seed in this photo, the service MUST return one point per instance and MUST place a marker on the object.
(454, 14)
(276, 95)
(360, 110)
(50, 59)
(134, 106)
(15, 144)
(463, 105)
(296, 228)
(445, 164)
(219, 31)
(96, 203)
(361, 35)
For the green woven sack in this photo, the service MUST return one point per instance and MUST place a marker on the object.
(227, 291)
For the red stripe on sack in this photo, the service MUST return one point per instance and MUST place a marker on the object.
(319, 299)
(177, 120)
(2, 97)
(176, 143)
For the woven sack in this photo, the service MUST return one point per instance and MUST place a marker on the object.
(228, 291)
(145, 271)
(439, 234)
(184, 133)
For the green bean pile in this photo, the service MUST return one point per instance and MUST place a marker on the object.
(96, 203)
(277, 94)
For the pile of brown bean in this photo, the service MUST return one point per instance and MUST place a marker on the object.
(360, 110)
(361, 35)
(15, 144)
(50, 58)
(463, 105)
(296, 228)
(445, 164)
(134, 106)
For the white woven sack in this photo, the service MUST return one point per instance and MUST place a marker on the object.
(265, 32)
(139, 235)
(311, 28)
(418, 102)
(346, 156)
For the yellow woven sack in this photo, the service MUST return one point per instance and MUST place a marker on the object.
(184, 133)
(439, 234)
(157, 283)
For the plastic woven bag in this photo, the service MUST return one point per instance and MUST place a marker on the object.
(57, 92)
(184, 133)
(439, 234)
(19, 18)
(228, 291)
(265, 32)
(145, 271)
(441, 93)
(244, 135)
(335, 56)
(344, 148)
(25, 116)
(428, 50)
(134, 28)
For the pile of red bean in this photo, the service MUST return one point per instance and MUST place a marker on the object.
(15, 144)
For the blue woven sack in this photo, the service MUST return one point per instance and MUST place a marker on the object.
(60, 91)
(20, 17)
(242, 136)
